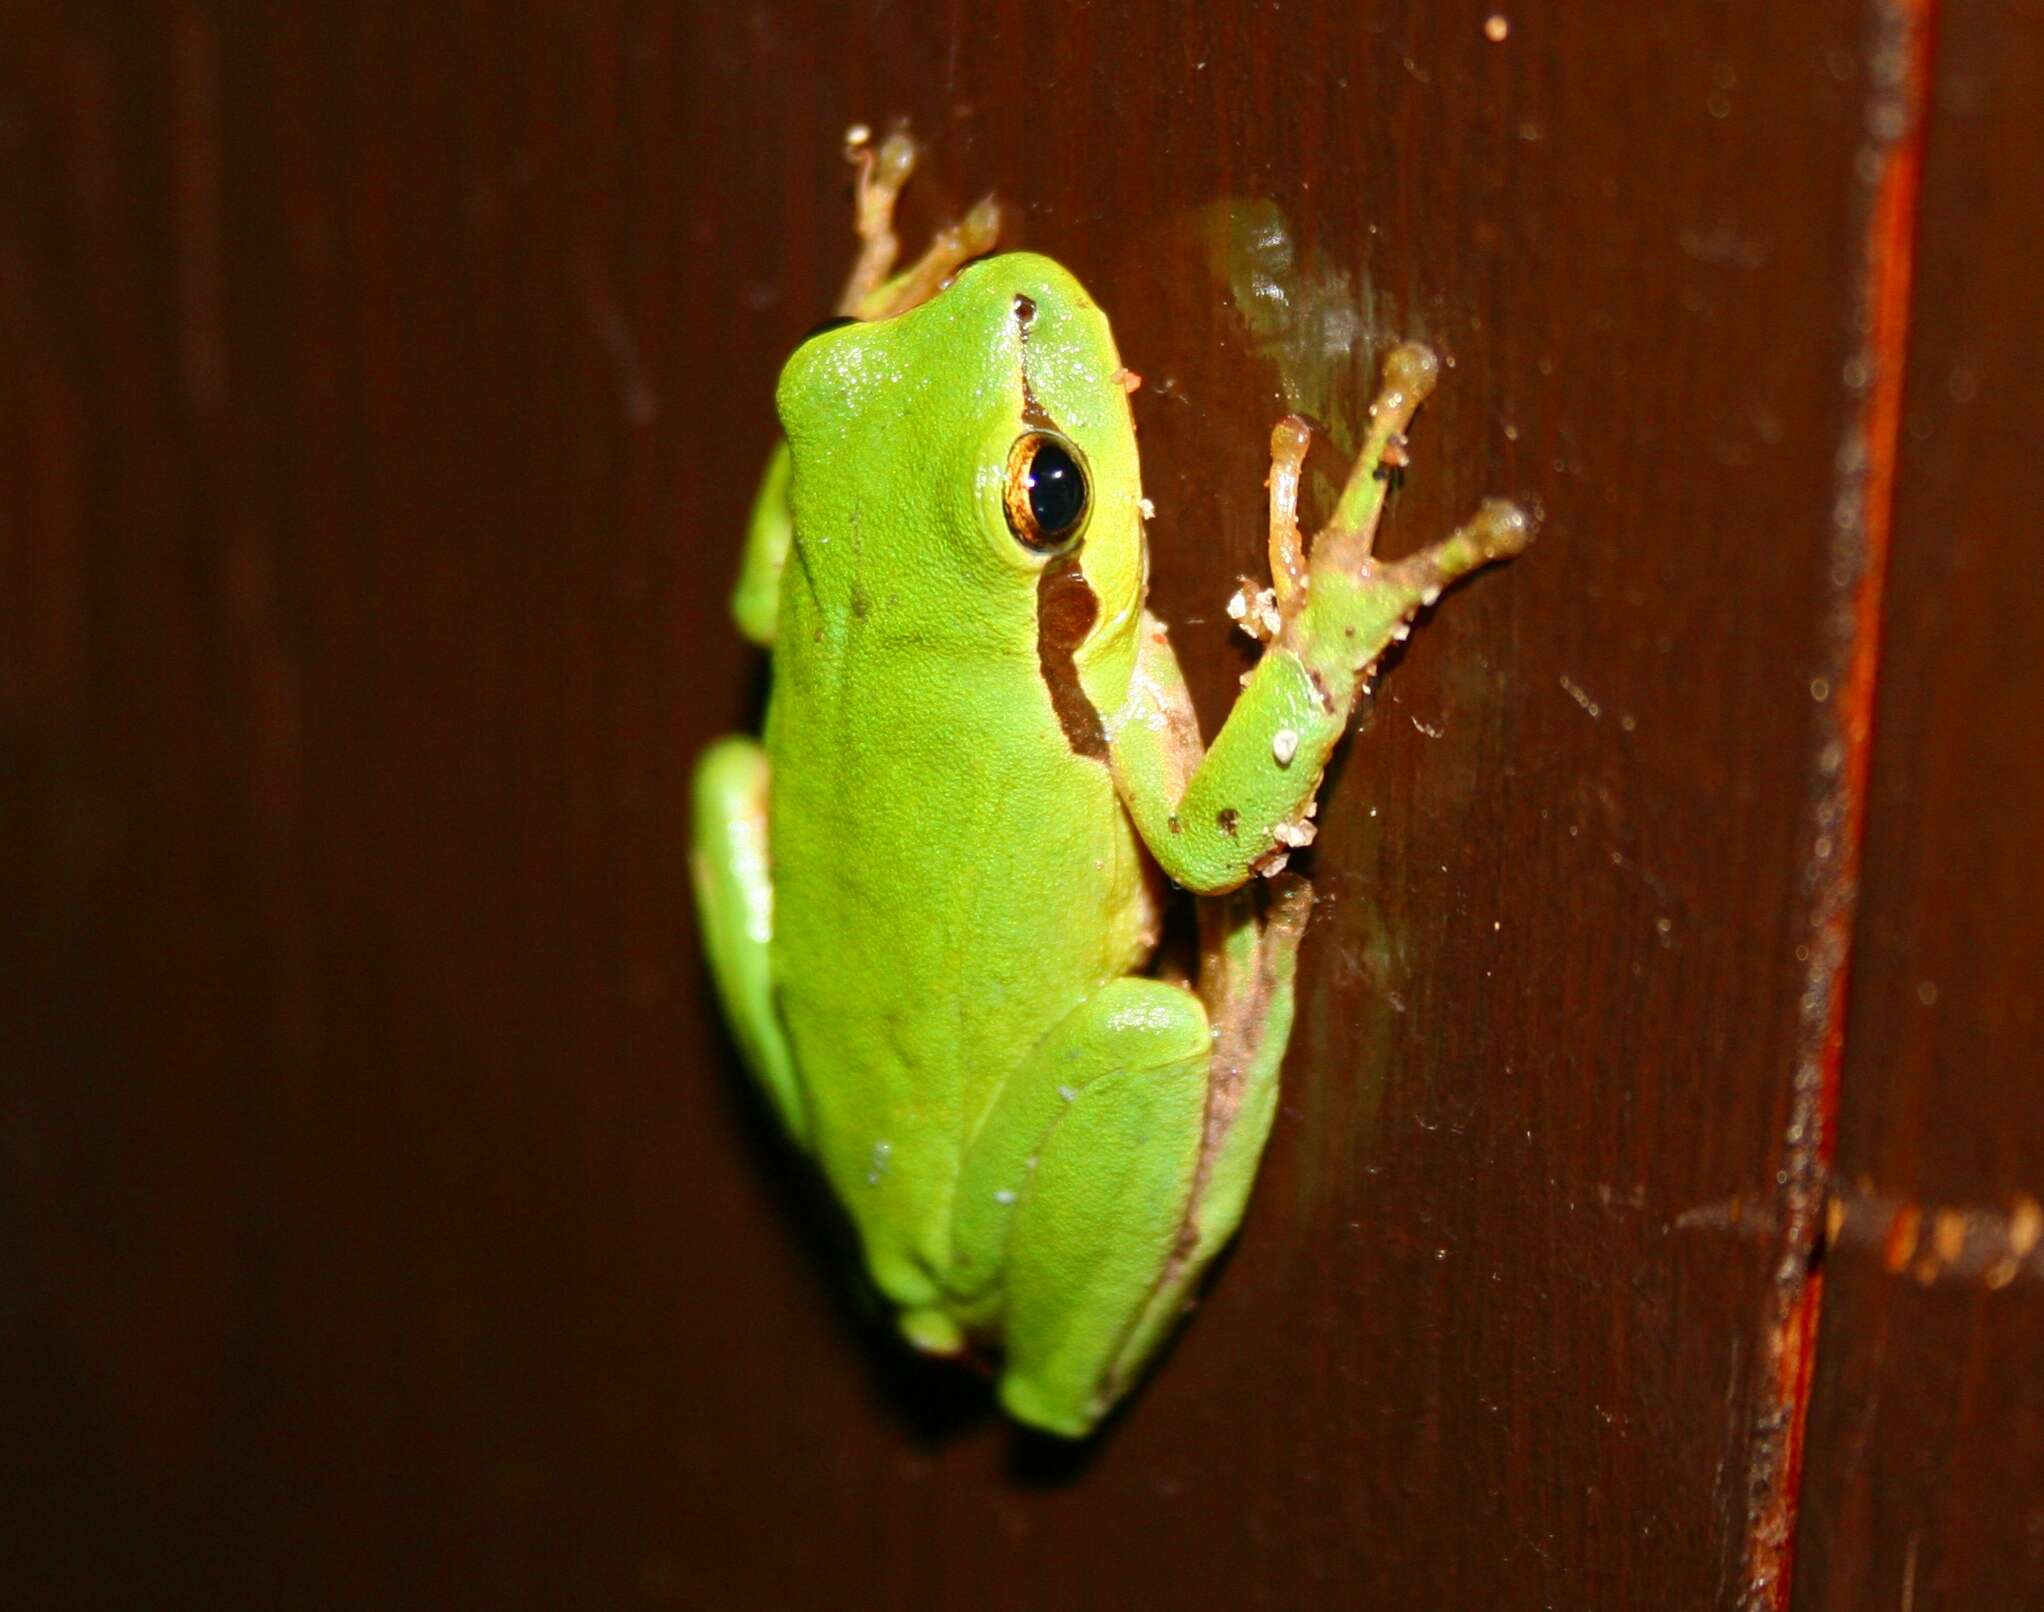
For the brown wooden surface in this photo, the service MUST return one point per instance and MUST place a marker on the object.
(382, 1222)
(1925, 1486)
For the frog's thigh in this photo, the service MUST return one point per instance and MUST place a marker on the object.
(1098, 1216)
(735, 905)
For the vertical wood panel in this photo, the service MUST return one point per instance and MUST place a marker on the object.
(1925, 1482)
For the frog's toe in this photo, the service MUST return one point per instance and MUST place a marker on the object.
(1046, 1412)
(933, 1332)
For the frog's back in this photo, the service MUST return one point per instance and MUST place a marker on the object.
(952, 868)
(946, 886)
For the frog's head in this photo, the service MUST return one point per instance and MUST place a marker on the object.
(974, 461)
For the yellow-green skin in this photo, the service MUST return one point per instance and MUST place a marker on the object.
(926, 898)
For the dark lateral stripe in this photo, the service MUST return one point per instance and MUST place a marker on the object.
(1065, 606)
(1034, 414)
(1065, 611)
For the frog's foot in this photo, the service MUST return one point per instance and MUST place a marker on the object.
(1338, 589)
(873, 290)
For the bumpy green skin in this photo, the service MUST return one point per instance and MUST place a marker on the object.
(927, 896)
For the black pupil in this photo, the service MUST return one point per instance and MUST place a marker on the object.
(1057, 489)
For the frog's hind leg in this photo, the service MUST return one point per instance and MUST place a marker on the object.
(1074, 1192)
(1247, 966)
(734, 895)
(1117, 1163)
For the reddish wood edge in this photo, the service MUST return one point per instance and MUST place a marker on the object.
(1899, 58)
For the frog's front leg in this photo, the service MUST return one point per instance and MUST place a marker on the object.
(735, 897)
(1212, 819)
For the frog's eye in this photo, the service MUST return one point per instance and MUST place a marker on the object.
(1046, 496)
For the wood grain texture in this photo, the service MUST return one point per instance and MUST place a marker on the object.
(1925, 1485)
(382, 1222)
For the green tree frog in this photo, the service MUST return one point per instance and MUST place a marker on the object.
(929, 898)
